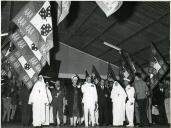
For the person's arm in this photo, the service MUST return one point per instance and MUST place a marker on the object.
(31, 97)
(49, 95)
(147, 90)
(111, 94)
(83, 88)
(96, 98)
(95, 94)
(132, 99)
(136, 90)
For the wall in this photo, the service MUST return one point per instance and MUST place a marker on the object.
(76, 61)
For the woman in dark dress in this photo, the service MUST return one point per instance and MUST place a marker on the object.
(74, 101)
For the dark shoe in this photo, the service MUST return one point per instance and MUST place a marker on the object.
(54, 124)
(62, 124)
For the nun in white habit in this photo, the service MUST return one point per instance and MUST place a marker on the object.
(38, 98)
(118, 96)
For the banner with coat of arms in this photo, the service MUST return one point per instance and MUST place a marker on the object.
(35, 21)
(23, 68)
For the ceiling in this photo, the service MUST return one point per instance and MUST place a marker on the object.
(132, 28)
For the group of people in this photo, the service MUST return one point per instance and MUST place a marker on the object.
(9, 101)
(90, 103)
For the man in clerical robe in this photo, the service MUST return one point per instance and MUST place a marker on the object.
(118, 96)
(38, 98)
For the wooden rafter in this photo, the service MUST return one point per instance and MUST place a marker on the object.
(137, 32)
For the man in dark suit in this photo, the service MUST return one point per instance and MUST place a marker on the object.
(57, 102)
(103, 96)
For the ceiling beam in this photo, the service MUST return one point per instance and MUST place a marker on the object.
(81, 24)
(141, 13)
(144, 48)
(137, 32)
(3, 3)
(99, 35)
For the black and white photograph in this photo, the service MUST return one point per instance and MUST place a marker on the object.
(85, 64)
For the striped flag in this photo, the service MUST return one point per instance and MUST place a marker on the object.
(23, 68)
(109, 7)
(158, 66)
(29, 59)
(29, 50)
(35, 21)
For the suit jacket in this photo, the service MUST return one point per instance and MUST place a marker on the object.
(102, 93)
(57, 95)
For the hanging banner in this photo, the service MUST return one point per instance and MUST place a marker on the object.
(29, 50)
(35, 21)
(109, 7)
(63, 10)
(23, 68)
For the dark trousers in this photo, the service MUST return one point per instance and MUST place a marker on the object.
(26, 111)
(103, 114)
(110, 112)
(58, 108)
(155, 119)
(137, 115)
(162, 115)
(142, 104)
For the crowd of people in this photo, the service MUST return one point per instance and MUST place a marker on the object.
(93, 102)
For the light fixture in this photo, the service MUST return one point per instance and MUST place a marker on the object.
(4, 34)
(112, 46)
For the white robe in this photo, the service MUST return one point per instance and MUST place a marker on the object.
(118, 97)
(48, 115)
(38, 99)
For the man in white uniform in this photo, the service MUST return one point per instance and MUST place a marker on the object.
(130, 102)
(38, 99)
(89, 100)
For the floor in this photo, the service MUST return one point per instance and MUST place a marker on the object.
(17, 125)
